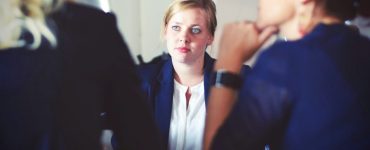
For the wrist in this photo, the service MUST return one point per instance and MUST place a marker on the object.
(224, 78)
(230, 64)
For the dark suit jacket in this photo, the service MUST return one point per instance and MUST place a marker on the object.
(307, 94)
(158, 86)
(28, 90)
(98, 75)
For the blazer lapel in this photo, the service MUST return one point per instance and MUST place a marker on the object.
(208, 68)
(163, 100)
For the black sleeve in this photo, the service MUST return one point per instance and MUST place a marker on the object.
(129, 115)
(98, 75)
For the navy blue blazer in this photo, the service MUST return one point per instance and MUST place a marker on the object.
(307, 94)
(28, 90)
(158, 86)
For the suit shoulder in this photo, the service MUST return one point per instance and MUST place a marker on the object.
(148, 72)
(84, 9)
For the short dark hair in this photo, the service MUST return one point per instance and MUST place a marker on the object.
(347, 9)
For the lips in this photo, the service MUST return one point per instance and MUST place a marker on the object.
(183, 49)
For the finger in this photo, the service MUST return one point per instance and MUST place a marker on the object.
(266, 33)
(247, 22)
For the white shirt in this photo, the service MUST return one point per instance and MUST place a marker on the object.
(187, 125)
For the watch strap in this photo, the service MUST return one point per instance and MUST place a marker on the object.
(223, 78)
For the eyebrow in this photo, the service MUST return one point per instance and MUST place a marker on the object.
(179, 23)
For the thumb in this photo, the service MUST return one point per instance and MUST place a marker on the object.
(266, 33)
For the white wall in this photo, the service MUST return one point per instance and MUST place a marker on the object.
(128, 19)
(139, 22)
(152, 12)
(230, 11)
(89, 2)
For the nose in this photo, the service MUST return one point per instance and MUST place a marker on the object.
(184, 36)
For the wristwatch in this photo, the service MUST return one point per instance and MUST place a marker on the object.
(223, 78)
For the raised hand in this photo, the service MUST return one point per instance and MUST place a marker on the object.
(240, 41)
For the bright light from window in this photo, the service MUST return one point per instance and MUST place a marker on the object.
(104, 4)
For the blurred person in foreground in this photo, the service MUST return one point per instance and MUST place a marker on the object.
(62, 65)
(312, 93)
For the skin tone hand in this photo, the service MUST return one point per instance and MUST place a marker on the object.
(239, 42)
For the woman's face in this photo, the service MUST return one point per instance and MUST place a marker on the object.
(187, 36)
(275, 12)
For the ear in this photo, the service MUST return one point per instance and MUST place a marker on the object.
(210, 40)
(306, 7)
(306, 13)
(305, 1)
(164, 33)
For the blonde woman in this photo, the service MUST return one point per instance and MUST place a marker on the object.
(177, 88)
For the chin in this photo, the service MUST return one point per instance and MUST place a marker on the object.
(263, 23)
(260, 24)
(178, 58)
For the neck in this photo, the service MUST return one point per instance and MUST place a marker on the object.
(290, 30)
(330, 20)
(321, 17)
(188, 74)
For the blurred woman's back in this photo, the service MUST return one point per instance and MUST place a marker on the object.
(28, 74)
(58, 75)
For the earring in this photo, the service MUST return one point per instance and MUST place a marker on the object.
(304, 17)
(307, 18)
(303, 20)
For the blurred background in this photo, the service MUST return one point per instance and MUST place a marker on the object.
(140, 20)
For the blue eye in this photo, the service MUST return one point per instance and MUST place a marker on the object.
(176, 28)
(195, 30)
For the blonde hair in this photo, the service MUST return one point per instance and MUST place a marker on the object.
(179, 5)
(29, 15)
